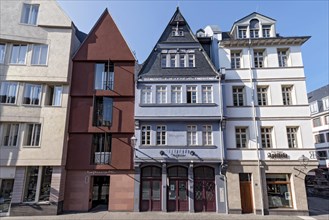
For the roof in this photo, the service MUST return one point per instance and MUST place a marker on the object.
(229, 41)
(203, 66)
(254, 13)
(318, 94)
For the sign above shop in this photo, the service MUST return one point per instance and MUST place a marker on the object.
(277, 155)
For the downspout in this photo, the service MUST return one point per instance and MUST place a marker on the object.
(255, 129)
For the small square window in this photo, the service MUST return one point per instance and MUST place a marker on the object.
(30, 14)
(39, 54)
(18, 54)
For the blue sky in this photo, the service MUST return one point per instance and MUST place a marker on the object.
(142, 23)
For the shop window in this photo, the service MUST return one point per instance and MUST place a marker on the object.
(278, 190)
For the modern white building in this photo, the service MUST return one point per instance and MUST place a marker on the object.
(268, 135)
(37, 40)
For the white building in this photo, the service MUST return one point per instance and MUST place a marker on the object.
(268, 131)
(37, 40)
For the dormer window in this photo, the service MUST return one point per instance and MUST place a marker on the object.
(176, 31)
(314, 107)
(254, 28)
(242, 32)
(177, 59)
(266, 30)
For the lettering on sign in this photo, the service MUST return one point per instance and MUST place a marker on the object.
(99, 172)
(277, 155)
(179, 152)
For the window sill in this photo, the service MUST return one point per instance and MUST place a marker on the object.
(8, 104)
(33, 106)
(177, 104)
(40, 65)
(177, 147)
(37, 203)
(33, 147)
(33, 25)
(17, 64)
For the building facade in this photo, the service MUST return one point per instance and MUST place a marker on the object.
(178, 122)
(99, 162)
(37, 40)
(268, 131)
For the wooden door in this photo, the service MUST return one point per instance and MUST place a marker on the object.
(204, 196)
(151, 195)
(246, 197)
(177, 196)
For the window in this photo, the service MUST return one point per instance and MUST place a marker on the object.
(207, 94)
(319, 138)
(172, 60)
(254, 28)
(327, 136)
(266, 135)
(316, 122)
(182, 59)
(163, 60)
(258, 59)
(235, 59)
(37, 184)
(207, 135)
(30, 14)
(177, 33)
(103, 109)
(278, 190)
(314, 107)
(286, 95)
(8, 92)
(238, 95)
(161, 135)
(9, 134)
(39, 54)
(191, 94)
(146, 135)
(18, 54)
(176, 94)
(266, 30)
(325, 103)
(241, 137)
(282, 57)
(161, 94)
(292, 137)
(262, 95)
(102, 144)
(191, 135)
(191, 60)
(2, 52)
(321, 155)
(6, 190)
(242, 32)
(326, 119)
(32, 134)
(104, 76)
(32, 94)
(54, 96)
(146, 97)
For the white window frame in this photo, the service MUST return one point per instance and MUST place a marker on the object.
(32, 91)
(282, 57)
(164, 59)
(182, 57)
(3, 53)
(176, 94)
(325, 102)
(207, 94)
(292, 137)
(30, 19)
(6, 88)
(254, 33)
(34, 140)
(37, 48)
(287, 94)
(161, 94)
(207, 137)
(173, 60)
(161, 135)
(262, 95)
(146, 135)
(320, 138)
(242, 32)
(314, 107)
(192, 138)
(55, 100)
(239, 133)
(235, 59)
(192, 91)
(314, 122)
(14, 131)
(16, 60)
(259, 59)
(146, 95)
(326, 120)
(238, 92)
(266, 29)
(266, 137)
(191, 60)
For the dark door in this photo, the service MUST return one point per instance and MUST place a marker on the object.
(246, 193)
(177, 196)
(100, 191)
(150, 199)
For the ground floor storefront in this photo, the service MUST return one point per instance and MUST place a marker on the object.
(179, 187)
(272, 188)
(31, 190)
(99, 189)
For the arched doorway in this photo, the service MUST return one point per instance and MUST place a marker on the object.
(317, 189)
(151, 189)
(177, 189)
(204, 189)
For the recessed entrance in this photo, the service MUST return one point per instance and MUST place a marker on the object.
(151, 189)
(100, 192)
(177, 189)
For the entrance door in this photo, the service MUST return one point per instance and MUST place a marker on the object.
(6, 189)
(177, 189)
(204, 189)
(100, 191)
(246, 192)
(151, 189)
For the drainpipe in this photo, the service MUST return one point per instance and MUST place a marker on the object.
(260, 179)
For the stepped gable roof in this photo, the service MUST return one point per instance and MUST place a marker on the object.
(186, 42)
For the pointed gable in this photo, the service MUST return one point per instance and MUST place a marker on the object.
(104, 42)
(178, 40)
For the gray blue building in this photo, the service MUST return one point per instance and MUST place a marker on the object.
(179, 150)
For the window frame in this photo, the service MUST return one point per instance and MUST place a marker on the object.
(325, 102)
(176, 94)
(29, 18)
(266, 137)
(146, 95)
(316, 122)
(161, 94)
(259, 58)
(240, 141)
(17, 61)
(242, 32)
(101, 154)
(7, 85)
(161, 135)
(262, 95)
(266, 31)
(314, 107)
(235, 59)
(14, 133)
(39, 55)
(320, 138)
(286, 91)
(191, 135)
(207, 94)
(102, 110)
(237, 95)
(292, 136)
(207, 135)
(191, 92)
(146, 135)
(283, 56)
(35, 139)
(33, 87)
(3, 55)
(106, 76)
